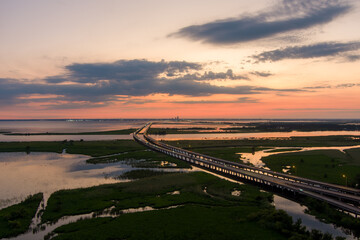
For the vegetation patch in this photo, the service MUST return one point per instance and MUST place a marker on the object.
(317, 141)
(255, 127)
(92, 148)
(16, 219)
(330, 166)
(164, 131)
(283, 150)
(197, 214)
(324, 211)
(143, 158)
(142, 173)
(152, 191)
(228, 153)
(187, 222)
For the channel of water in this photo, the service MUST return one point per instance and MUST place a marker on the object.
(255, 157)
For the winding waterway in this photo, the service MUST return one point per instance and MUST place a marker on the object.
(255, 157)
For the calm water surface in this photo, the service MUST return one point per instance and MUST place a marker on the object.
(297, 211)
(255, 158)
(23, 174)
(66, 126)
(50, 138)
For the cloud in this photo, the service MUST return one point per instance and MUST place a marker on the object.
(100, 84)
(210, 75)
(74, 105)
(142, 77)
(317, 109)
(343, 85)
(262, 74)
(353, 58)
(325, 49)
(238, 100)
(127, 70)
(287, 16)
(348, 85)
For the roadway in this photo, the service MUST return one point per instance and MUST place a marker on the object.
(344, 198)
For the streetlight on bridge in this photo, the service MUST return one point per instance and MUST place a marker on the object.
(346, 179)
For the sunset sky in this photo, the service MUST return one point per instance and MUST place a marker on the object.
(192, 59)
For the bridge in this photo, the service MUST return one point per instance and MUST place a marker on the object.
(344, 198)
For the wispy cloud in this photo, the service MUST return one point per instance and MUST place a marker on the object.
(352, 57)
(210, 75)
(262, 74)
(343, 85)
(238, 100)
(325, 49)
(317, 109)
(287, 16)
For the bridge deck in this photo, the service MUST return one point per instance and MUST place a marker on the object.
(330, 193)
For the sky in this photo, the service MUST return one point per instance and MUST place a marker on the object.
(192, 59)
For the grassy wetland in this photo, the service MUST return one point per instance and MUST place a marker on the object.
(333, 166)
(91, 148)
(16, 219)
(328, 165)
(203, 208)
(191, 205)
(101, 152)
(256, 127)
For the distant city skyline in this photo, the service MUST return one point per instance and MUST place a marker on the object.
(159, 59)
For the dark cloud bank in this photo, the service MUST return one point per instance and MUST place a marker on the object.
(287, 16)
(96, 84)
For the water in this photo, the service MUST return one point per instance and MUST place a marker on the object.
(261, 135)
(23, 174)
(65, 126)
(44, 229)
(255, 158)
(68, 126)
(297, 211)
(78, 126)
(51, 138)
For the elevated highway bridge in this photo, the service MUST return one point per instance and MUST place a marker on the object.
(344, 198)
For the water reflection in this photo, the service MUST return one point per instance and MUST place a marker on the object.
(51, 138)
(66, 126)
(255, 157)
(23, 174)
(46, 229)
(296, 211)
